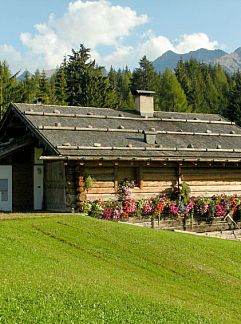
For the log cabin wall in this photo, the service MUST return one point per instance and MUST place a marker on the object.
(104, 185)
(208, 179)
(150, 179)
(55, 186)
(205, 179)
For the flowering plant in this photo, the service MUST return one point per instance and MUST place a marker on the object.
(199, 208)
(147, 207)
(173, 209)
(124, 189)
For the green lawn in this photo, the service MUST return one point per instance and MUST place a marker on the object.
(74, 269)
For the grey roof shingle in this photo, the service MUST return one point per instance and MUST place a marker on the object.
(120, 133)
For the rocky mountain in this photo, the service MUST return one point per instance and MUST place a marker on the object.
(48, 73)
(230, 62)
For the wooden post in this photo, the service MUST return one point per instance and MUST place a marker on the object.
(179, 174)
(80, 186)
(116, 177)
(141, 177)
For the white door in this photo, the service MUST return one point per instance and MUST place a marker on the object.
(38, 187)
(5, 187)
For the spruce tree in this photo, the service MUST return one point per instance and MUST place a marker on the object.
(60, 87)
(8, 87)
(145, 78)
(86, 83)
(172, 96)
(233, 111)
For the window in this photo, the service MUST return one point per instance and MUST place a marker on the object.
(128, 173)
(4, 189)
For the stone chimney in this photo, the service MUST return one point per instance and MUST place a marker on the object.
(144, 102)
(150, 136)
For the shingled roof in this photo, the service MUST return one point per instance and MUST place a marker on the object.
(104, 133)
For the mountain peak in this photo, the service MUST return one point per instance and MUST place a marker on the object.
(238, 51)
(170, 59)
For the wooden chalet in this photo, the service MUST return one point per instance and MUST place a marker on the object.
(47, 151)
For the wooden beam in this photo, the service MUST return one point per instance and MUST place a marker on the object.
(179, 175)
(141, 181)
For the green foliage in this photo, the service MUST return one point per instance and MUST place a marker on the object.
(185, 192)
(172, 96)
(60, 84)
(88, 182)
(8, 87)
(205, 86)
(76, 269)
(193, 87)
(121, 82)
(145, 78)
(86, 84)
(233, 111)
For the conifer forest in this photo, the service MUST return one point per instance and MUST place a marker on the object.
(79, 81)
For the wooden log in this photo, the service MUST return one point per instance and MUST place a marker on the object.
(150, 189)
(80, 189)
(169, 171)
(158, 183)
(98, 170)
(81, 196)
(144, 195)
(103, 177)
(159, 177)
(101, 191)
(141, 177)
(79, 183)
(103, 184)
(103, 197)
(214, 183)
(210, 194)
(216, 188)
(211, 177)
(211, 170)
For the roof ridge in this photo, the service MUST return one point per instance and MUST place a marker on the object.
(77, 115)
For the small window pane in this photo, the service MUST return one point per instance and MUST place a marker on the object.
(4, 189)
(4, 195)
(3, 184)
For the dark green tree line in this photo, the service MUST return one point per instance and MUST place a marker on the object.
(192, 87)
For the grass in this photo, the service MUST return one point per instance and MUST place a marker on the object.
(74, 269)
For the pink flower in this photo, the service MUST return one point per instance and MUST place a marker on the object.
(173, 209)
(147, 207)
(129, 206)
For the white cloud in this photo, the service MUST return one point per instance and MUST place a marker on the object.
(92, 23)
(101, 26)
(154, 46)
(8, 51)
(195, 41)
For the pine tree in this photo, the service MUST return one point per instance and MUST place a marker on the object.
(233, 111)
(8, 87)
(145, 78)
(222, 84)
(60, 85)
(44, 89)
(27, 86)
(172, 96)
(86, 83)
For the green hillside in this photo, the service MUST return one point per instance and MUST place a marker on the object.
(73, 269)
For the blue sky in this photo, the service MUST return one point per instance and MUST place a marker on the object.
(38, 33)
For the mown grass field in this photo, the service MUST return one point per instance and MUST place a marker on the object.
(74, 269)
